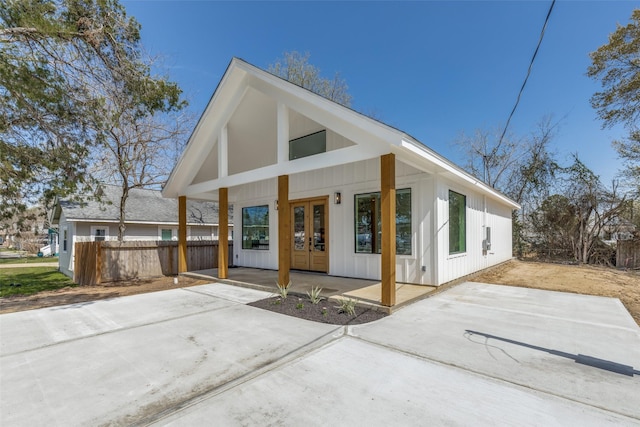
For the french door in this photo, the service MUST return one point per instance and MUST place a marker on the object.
(309, 245)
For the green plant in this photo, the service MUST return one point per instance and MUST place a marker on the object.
(347, 306)
(283, 290)
(314, 295)
(300, 304)
(324, 311)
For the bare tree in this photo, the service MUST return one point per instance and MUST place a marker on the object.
(573, 219)
(295, 68)
(523, 168)
(139, 152)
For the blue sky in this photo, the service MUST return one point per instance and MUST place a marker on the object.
(432, 69)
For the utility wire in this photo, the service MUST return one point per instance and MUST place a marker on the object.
(533, 58)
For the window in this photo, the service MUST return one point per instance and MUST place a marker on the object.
(99, 234)
(368, 222)
(255, 227)
(65, 238)
(308, 145)
(166, 234)
(457, 223)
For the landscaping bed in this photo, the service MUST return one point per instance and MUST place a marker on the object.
(326, 311)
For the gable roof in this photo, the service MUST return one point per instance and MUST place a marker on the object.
(372, 138)
(143, 206)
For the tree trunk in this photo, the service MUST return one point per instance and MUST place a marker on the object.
(123, 201)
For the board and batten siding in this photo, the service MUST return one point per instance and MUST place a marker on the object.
(349, 180)
(481, 212)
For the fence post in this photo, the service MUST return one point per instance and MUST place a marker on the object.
(98, 263)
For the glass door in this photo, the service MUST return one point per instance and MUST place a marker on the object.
(309, 246)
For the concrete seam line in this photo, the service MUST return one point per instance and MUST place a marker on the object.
(489, 377)
(126, 328)
(215, 296)
(317, 344)
(548, 316)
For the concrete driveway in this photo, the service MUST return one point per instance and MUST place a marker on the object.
(475, 354)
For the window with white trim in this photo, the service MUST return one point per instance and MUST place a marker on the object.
(99, 233)
(65, 239)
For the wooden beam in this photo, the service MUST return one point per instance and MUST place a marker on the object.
(388, 214)
(284, 230)
(182, 234)
(223, 233)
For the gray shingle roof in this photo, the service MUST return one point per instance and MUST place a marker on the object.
(142, 206)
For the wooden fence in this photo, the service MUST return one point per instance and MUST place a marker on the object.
(628, 255)
(98, 262)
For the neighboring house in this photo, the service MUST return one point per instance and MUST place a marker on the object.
(148, 216)
(313, 184)
(618, 229)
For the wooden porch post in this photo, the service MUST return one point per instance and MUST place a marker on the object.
(284, 230)
(182, 234)
(223, 233)
(388, 214)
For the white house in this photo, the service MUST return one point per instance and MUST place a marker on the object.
(320, 187)
(148, 215)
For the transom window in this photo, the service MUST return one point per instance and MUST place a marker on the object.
(457, 223)
(368, 222)
(255, 227)
(308, 145)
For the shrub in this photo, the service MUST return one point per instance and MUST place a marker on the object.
(314, 295)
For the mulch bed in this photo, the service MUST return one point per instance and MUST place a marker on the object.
(325, 311)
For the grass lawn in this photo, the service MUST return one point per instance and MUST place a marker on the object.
(30, 280)
(29, 260)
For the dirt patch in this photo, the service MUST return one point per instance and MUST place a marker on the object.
(579, 279)
(82, 294)
(324, 312)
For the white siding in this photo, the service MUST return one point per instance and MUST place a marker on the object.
(256, 194)
(349, 180)
(65, 258)
(495, 215)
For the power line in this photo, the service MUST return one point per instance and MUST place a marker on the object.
(533, 58)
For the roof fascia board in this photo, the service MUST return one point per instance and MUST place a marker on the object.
(193, 155)
(204, 144)
(445, 165)
(111, 221)
(346, 155)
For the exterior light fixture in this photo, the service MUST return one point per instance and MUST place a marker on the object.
(275, 205)
(337, 198)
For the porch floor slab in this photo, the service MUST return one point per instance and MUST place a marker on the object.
(368, 292)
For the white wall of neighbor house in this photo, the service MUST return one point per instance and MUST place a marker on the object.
(481, 212)
(144, 232)
(65, 255)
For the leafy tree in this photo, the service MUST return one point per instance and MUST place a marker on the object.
(295, 68)
(617, 66)
(64, 67)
